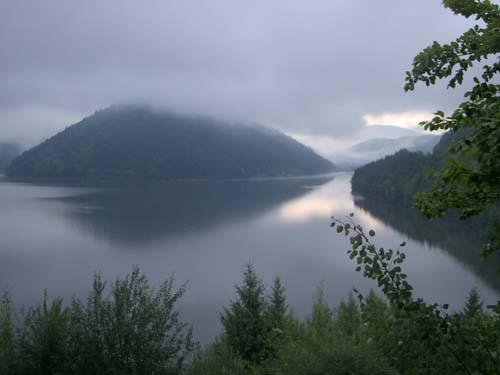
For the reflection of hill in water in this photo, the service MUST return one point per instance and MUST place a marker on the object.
(141, 214)
(460, 239)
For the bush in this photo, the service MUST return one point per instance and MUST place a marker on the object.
(131, 329)
(326, 344)
(8, 354)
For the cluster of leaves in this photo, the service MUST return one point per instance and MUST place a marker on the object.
(132, 329)
(429, 338)
(470, 179)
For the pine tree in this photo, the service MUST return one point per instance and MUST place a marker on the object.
(473, 306)
(278, 307)
(245, 322)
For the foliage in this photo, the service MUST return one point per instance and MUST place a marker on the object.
(244, 320)
(254, 324)
(463, 245)
(132, 329)
(420, 338)
(141, 143)
(426, 338)
(277, 307)
(8, 353)
(44, 338)
(138, 328)
(473, 306)
(470, 179)
(397, 178)
(328, 343)
(218, 359)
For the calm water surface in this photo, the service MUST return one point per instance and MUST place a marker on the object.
(55, 237)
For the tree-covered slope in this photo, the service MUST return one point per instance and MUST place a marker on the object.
(401, 175)
(8, 151)
(138, 142)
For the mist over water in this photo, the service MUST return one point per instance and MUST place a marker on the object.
(55, 237)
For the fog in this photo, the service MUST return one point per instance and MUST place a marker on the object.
(312, 69)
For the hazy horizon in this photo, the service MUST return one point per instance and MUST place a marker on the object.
(321, 71)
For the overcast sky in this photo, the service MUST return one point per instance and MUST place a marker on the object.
(319, 68)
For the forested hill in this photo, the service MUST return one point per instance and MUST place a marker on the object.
(400, 176)
(8, 151)
(138, 142)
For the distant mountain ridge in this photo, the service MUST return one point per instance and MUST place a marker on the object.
(386, 146)
(378, 148)
(371, 142)
(387, 131)
(139, 142)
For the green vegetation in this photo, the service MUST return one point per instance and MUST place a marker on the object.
(469, 181)
(261, 336)
(423, 338)
(399, 177)
(466, 178)
(129, 328)
(459, 239)
(140, 143)
(134, 330)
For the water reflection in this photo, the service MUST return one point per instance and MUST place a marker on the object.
(205, 232)
(460, 239)
(323, 202)
(137, 215)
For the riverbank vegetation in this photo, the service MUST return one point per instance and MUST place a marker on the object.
(127, 327)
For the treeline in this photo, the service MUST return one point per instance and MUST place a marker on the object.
(134, 142)
(129, 328)
(400, 176)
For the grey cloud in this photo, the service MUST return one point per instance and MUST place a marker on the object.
(304, 67)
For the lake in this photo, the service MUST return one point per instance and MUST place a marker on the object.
(204, 232)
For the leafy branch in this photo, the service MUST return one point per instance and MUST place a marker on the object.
(455, 337)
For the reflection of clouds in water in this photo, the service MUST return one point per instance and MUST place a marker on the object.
(193, 229)
(322, 202)
(307, 208)
(332, 199)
